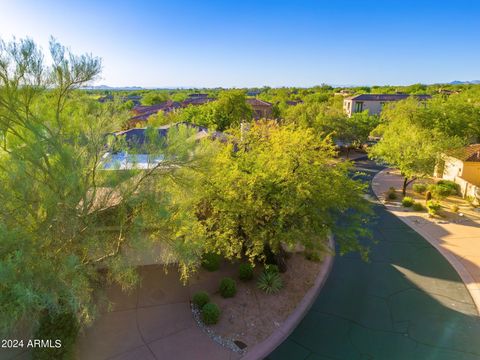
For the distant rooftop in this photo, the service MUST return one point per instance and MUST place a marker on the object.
(257, 102)
(387, 97)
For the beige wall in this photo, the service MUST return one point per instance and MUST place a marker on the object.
(466, 174)
(373, 107)
(452, 168)
(471, 172)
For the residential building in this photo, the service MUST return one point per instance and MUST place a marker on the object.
(138, 149)
(261, 109)
(374, 102)
(197, 99)
(463, 167)
(142, 113)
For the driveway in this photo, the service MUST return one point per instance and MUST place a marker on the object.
(407, 302)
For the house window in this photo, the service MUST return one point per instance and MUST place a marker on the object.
(359, 106)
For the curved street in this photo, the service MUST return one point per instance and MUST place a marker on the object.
(407, 302)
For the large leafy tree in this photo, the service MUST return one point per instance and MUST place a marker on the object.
(228, 111)
(411, 141)
(62, 218)
(274, 185)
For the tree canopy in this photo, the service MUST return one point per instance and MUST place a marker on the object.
(274, 185)
(62, 218)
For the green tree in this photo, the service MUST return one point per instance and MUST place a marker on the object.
(274, 185)
(231, 109)
(409, 142)
(62, 217)
(153, 98)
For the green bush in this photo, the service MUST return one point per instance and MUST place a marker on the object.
(443, 188)
(200, 299)
(271, 268)
(270, 282)
(433, 207)
(419, 187)
(313, 255)
(448, 184)
(64, 327)
(210, 314)
(407, 201)
(391, 194)
(228, 287)
(245, 271)
(417, 207)
(211, 261)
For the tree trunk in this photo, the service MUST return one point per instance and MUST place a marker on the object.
(404, 188)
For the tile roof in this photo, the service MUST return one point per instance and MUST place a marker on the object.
(386, 97)
(137, 137)
(470, 153)
(257, 102)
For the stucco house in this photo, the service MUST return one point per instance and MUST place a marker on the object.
(463, 167)
(374, 102)
(261, 109)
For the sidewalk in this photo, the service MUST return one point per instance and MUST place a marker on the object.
(154, 321)
(458, 242)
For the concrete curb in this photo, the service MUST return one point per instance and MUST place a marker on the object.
(467, 279)
(263, 349)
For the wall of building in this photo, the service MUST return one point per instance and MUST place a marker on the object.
(373, 107)
(471, 172)
(452, 168)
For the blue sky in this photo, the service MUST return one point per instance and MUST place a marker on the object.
(255, 43)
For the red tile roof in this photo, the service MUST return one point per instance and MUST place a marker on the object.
(469, 153)
(257, 102)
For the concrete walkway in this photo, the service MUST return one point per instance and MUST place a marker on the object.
(458, 242)
(406, 303)
(153, 322)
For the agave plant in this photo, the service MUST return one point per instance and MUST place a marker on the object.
(270, 282)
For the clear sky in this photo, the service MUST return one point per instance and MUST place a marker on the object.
(265, 42)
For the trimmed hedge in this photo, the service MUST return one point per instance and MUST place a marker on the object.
(210, 314)
(407, 201)
(200, 299)
(245, 271)
(228, 287)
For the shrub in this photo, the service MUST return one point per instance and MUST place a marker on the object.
(64, 327)
(271, 268)
(419, 188)
(407, 201)
(433, 207)
(451, 185)
(211, 261)
(245, 271)
(391, 194)
(455, 208)
(270, 282)
(443, 189)
(228, 287)
(200, 299)
(210, 314)
(417, 206)
(312, 255)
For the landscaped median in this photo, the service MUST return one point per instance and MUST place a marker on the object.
(454, 234)
(255, 315)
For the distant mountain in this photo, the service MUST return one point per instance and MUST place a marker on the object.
(458, 82)
(106, 87)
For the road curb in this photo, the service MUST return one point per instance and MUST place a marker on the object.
(467, 279)
(263, 349)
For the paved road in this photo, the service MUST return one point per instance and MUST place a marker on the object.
(407, 303)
